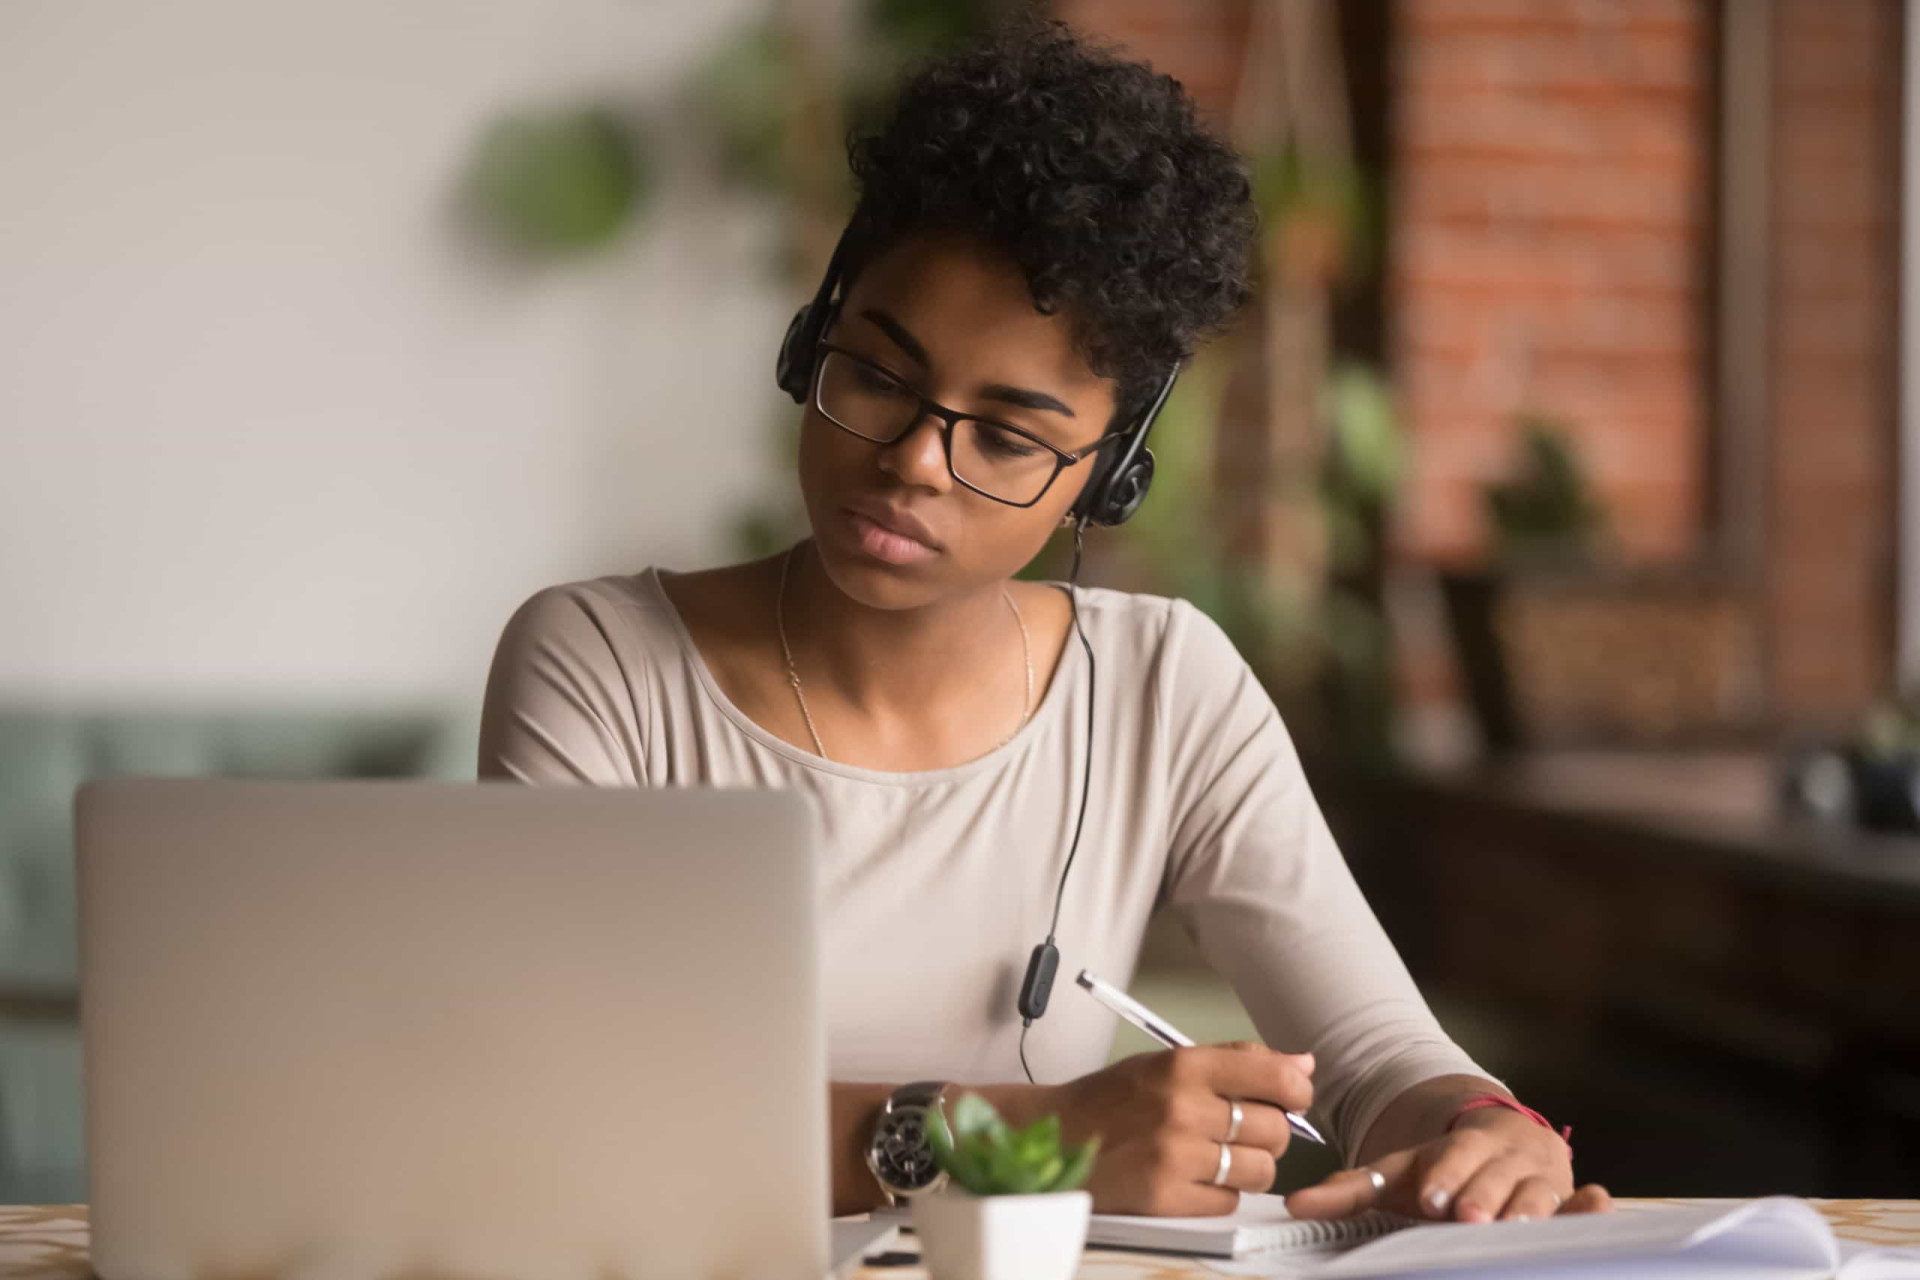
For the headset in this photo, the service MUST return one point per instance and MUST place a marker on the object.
(1114, 491)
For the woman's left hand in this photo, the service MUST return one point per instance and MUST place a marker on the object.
(1494, 1164)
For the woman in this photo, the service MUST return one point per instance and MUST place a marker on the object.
(1043, 234)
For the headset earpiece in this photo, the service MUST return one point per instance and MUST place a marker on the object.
(1126, 491)
(793, 370)
(1120, 481)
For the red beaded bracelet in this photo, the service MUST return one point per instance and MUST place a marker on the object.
(1500, 1100)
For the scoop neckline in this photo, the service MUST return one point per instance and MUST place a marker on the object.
(1047, 711)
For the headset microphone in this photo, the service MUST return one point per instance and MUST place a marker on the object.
(1038, 984)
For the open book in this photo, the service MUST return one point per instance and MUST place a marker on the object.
(1769, 1239)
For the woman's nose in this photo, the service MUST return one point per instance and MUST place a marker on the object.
(920, 456)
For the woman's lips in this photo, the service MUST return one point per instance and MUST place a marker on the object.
(884, 544)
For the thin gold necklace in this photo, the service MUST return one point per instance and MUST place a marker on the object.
(793, 676)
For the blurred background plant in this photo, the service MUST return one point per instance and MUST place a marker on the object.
(1518, 618)
(1546, 511)
(553, 183)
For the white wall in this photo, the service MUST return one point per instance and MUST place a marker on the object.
(269, 428)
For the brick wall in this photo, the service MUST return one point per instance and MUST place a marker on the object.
(1549, 234)
(1830, 522)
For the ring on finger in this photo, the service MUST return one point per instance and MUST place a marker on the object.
(1557, 1201)
(1226, 1166)
(1377, 1178)
(1235, 1118)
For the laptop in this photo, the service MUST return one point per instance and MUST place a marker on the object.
(352, 1029)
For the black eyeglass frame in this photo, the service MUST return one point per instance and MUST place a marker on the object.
(949, 419)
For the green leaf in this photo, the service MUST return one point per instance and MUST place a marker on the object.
(1004, 1167)
(973, 1114)
(978, 1152)
(1044, 1135)
(969, 1169)
(939, 1137)
(1078, 1168)
(1048, 1173)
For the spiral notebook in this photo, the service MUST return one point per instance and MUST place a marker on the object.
(1260, 1225)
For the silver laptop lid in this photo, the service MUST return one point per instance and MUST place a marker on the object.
(405, 1029)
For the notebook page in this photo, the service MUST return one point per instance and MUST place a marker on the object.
(1188, 1235)
(1684, 1266)
(1877, 1262)
(1260, 1223)
(1759, 1235)
(1288, 1264)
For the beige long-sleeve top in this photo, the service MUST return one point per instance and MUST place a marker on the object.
(939, 883)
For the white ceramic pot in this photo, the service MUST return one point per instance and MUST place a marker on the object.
(968, 1237)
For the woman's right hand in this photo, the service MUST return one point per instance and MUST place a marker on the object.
(1162, 1118)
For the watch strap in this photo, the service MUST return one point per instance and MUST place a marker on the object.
(921, 1093)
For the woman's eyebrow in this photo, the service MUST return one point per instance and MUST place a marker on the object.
(1019, 397)
(901, 338)
(1023, 398)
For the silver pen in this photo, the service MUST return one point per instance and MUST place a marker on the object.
(1167, 1034)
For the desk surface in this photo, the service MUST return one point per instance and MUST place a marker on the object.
(50, 1242)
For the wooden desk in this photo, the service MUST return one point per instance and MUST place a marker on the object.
(50, 1242)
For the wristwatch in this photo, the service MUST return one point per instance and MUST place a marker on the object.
(899, 1154)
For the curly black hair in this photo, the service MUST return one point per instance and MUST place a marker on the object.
(1090, 171)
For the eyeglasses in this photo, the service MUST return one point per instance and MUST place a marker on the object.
(994, 459)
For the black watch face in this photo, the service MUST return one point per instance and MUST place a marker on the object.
(903, 1150)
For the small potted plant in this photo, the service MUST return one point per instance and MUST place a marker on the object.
(1012, 1208)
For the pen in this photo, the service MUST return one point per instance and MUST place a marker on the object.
(1167, 1034)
